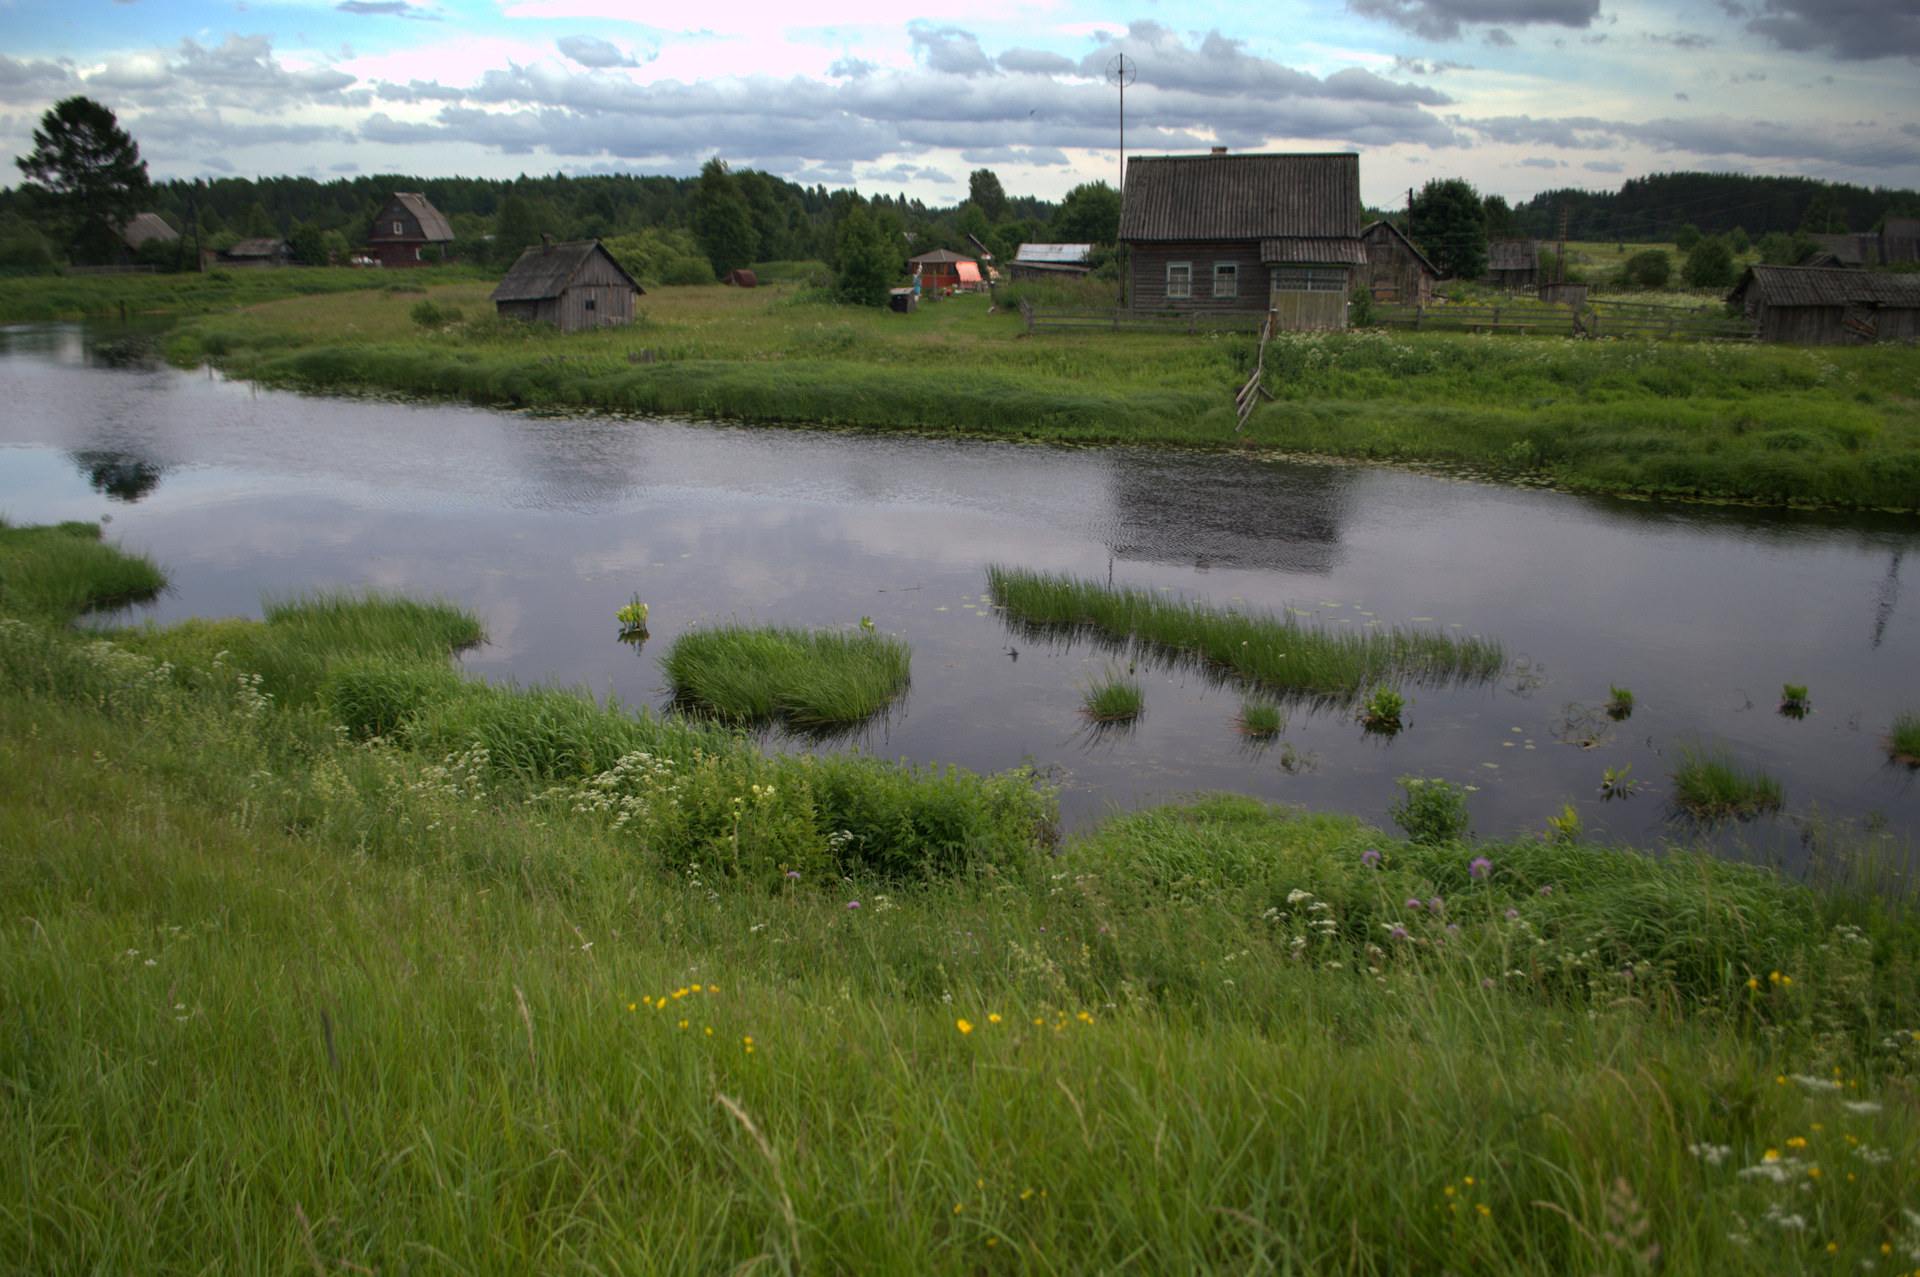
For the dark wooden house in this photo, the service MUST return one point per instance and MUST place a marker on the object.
(406, 226)
(1396, 271)
(1514, 264)
(256, 253)
(1816, 306)
(1220, 233)
(1051, 261)
(575, 286)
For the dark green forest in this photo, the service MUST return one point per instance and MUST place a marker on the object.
(1656, 207)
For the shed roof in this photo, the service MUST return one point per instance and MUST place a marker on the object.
(1065, 254)
(268, 247)
(1386, 232)
(1181, 197)
(1513, 254)
(433, 225)
(1853, 249)
(546, 270)
(939, 257)
(142, 227)
(1828, 286)
(1309, 248)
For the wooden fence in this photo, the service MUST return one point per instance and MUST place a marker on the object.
(1565, 322)
(1120, 319)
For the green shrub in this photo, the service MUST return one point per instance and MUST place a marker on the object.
(427, 315)
(1650, 269)
(686, 271)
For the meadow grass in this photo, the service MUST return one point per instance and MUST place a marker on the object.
(1709, 783)
(1903, 738)
(43, 297)
(277, 1000)
(1112, 697)
(1828, 426)
(59, 572)
(810, 678)
(1274, 653)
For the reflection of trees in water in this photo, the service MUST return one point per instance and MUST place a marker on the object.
(123, 476)
(1231, 513)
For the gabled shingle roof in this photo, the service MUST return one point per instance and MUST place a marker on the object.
(1310, 248)
(142, 227)
(433, 224)
(1199, 197)
(545, 270)
(1828, 286)
(940, 257)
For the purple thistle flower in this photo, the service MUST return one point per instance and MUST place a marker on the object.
(1414, 904)
(1512, 914)
(794, 874)
(1436, 904)
(1546, 891)
(1480, 867)
(1398, 933)
(1370, 858)
(1487, 983)
(853, 904)
(1453, 928)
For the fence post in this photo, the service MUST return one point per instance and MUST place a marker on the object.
(1026, 313)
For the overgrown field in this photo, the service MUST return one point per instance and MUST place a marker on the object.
(345, 963)
(40, 297)
(1832, 426)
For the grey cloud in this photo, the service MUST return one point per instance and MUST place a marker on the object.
(1598, 37)
(1219, 66)
(1573, 133)
(1426, 66)
(383, 8)
(35, 81)
(1604, 166)
(1711, 136)
(1539, 161)
(1682, 97)
(148, 71)
(1499, 39)
(1683, 39)
(1041, 156)
(1443, 19)
(348, 167)
(949, 49)
(218, 163)
(1852, 30)
(1035, 62)
(591, 51)
(935, 176)
(417, 91)
(851, 68)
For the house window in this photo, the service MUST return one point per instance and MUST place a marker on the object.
(1226, 279)
(398, 229)
(1179, 279)
(590, 302)
(1310, 279)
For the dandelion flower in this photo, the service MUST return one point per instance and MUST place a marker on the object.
(993, 1017)
(965, 1027)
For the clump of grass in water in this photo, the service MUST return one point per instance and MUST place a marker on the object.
(1793, 700)
(1619, 703)
(809, 678)
(1113, 697)
(60, 571)
(1381, 711)
(1262, 720)
(1711, 784)
(1903, 738)
(1272, 652)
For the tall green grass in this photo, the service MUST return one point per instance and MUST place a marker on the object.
(1273, 652)
(1710, 783)
(810, 678)
(63, 571)
(66, 297)
(1113, 697)
(1903, 738)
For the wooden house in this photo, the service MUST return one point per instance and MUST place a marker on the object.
(1213, 234)
(1396, 271)
(1514, 264)
(143, 228)
(406, 226)
(1051, 261)
(256, 253)
(941, 269)
(1817, 306)
(575, 286)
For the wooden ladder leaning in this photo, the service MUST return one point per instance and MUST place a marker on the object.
(1250, 394)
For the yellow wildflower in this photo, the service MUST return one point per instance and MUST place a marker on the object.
(993, 1017)
(964, 1028)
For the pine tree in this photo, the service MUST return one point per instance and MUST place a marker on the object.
(985, 193)
(86, 172)
(866, 265)
(722, 221)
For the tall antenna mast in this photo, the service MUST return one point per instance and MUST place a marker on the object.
(1121, 72)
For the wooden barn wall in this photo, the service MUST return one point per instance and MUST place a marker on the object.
(1298, 312)
(1395, 276)
(1824, 325)
(613, 304)
(1147, 277)
(518, 310)
(1516, 279)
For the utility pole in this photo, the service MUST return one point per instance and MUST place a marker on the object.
(1560, 265)
(1409, 212)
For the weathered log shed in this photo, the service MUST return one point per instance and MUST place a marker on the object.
(1212, 234)
(1514, 264)
(1829, 306)
(575, 286)
(1397, 272)
(406, 226)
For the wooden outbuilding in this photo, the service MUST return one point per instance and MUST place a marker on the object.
(406, 226)
(1900, 240)
(1217, 234)
(256, 253)
(1397, 272)
(941, 269)
(575, 286)
(1051, 261)
(1514, 264)
(1829, 306)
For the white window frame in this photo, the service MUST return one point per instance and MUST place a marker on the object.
(1310, 279)
(399, 229)
(1180, 279)
(1226, 279)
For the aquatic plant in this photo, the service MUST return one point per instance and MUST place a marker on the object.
(1567, 827)
(1432, 811)
(1112, 697)
(1278, 655)
(1903, 738)
(1261, 719)
(1381, 710)
(1617, 782)
(1793, 700)
(809, 678)
(1619, 702)
(633, 617)
(1710, 784)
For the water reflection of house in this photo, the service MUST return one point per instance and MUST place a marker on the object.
(1227, 513)
(1225, 233)
(575, 286)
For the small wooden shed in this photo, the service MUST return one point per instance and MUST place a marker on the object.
(575, 286)
(941, 269)
(254, 253)
(1222, 233)
(1829, 306)
(1514, 264)
(1398, 272)
(405, 226)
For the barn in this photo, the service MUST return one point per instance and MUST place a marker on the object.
(1220, 233)
(575, 286)
(407, 225)
(1397, 271)
(1514, 264)
(1829, 306)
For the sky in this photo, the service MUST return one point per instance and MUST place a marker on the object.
(1517, 96)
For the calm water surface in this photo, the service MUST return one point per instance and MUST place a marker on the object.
(546, 526)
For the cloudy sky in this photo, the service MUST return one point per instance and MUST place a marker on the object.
(1516, 95)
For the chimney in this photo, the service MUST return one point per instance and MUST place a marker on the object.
(1219, 150)
(546, 242)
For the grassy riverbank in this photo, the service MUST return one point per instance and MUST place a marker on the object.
(43, 297)
(1834, 426)
(460, 995)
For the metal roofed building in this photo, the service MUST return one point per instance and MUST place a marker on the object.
(1829, 306)
(574, 286)
(1050, 261)
(404, 227)
(1224, 233)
